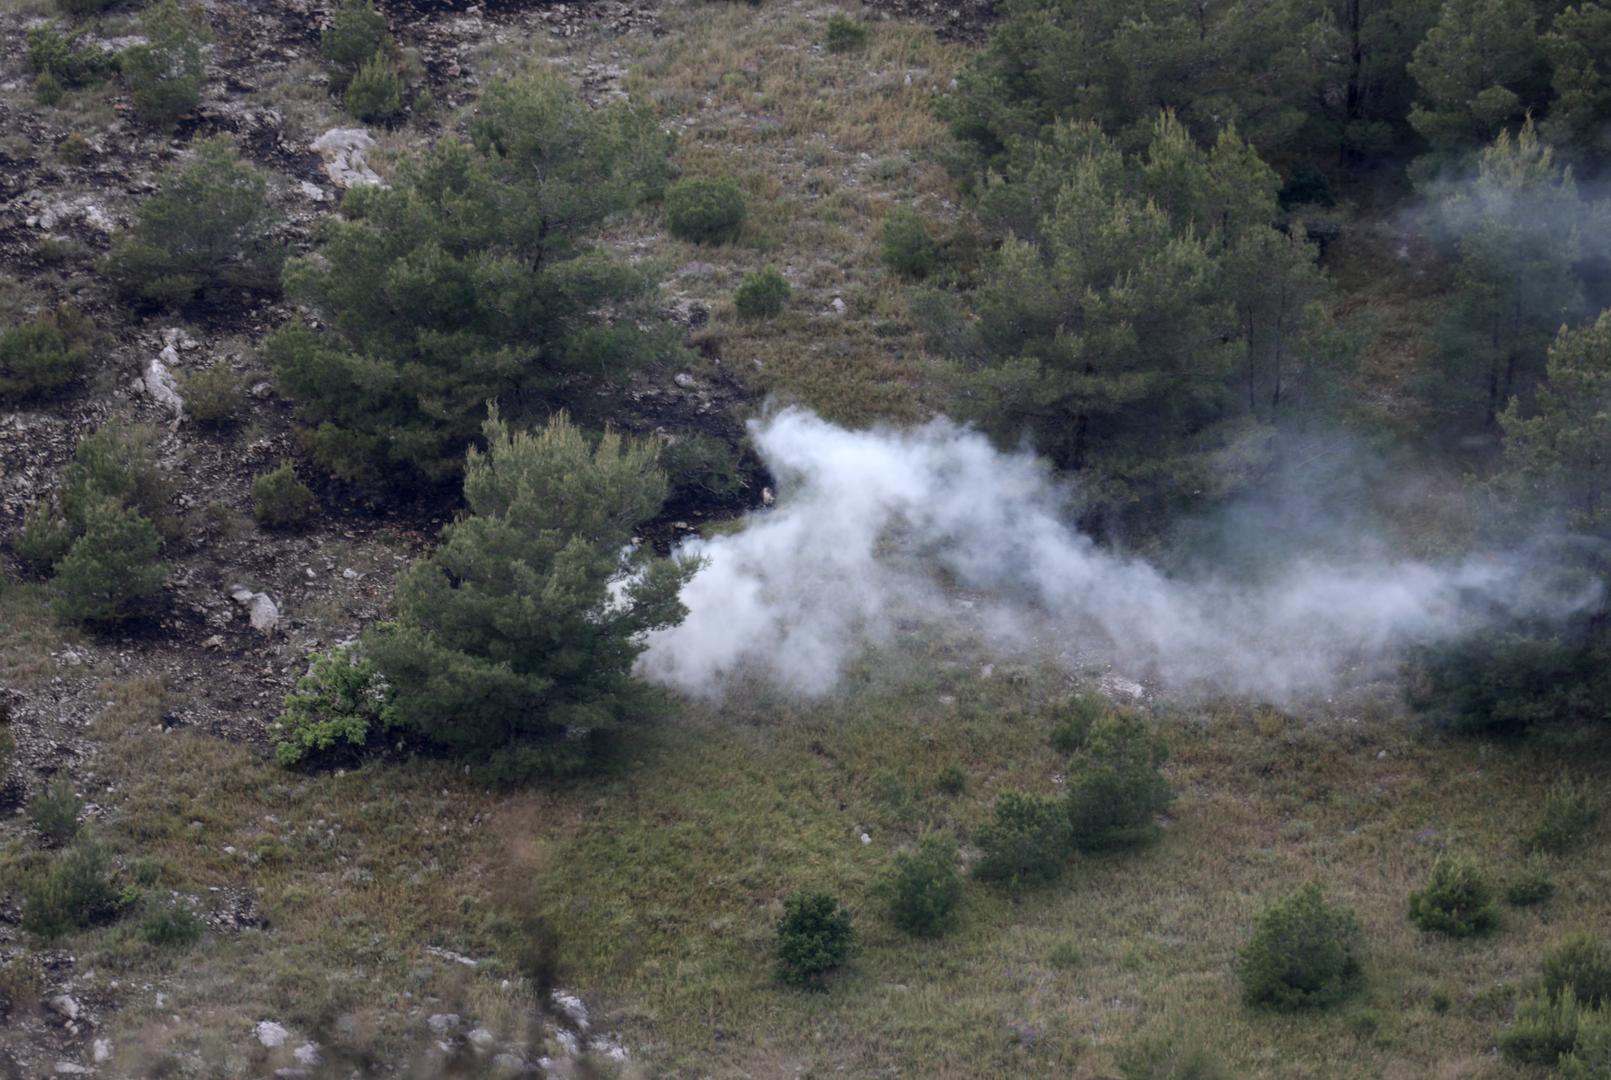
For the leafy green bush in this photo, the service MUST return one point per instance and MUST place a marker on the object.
(845, 34)
(209, 227)
(1543, 1029)
(165, 73)
(1169, 1054)
(375, 92)
(47, 89)
(704, 209)
(1072, 719)
(923, 888)
(1532, 886)
(697, 462)
(74, 892)
(115, 461)
(171, 926)
(468, 279)
(1457, 900)
(814, 937)
(280, 500)
(1303, 954)
(762, 295)
(43, 538)
(84, 7)
(64, 58)
(1508, 682)
(514, 645)
(1025, 842)
(213, 396)
(114, 571)
(1579, 962)
(357, 34)
(1590, 1057)
(1570, 811)
(74, 149)
(54, 812)
(951, 780)
(1115, 789)
(336, 708)
(44, 355)
(908, 249)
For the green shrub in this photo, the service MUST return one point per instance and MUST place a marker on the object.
(164, 75)
(336, 708)
(1072, 719)
(704, 209)
(1570, 811)
(280, 500)
(814, 937)
(47, 89)
(1543, 1029)
(845, 34)
(908, 249)
(1025, 842)
(1115, 789)
(210, 226)
(1580, 962)
(762, 295)
(113, 572)
(1303, 954)
(375, 93)
(1532, 886)
(54, 812)
(44, 355)
(74, 149)
(357, 34)
(1457, 900)
(1590, 1058)
(64, 58)
(1170, 1054)
(171, 926)
(43, 539)
(423, 110)
(951, 780)
(697, 462)
(923, 888)
(212, 396)
(74, 892)
(84, 7)
(115, 461)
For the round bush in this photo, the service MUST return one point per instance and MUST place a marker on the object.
(704, 209)
(908, 249)
(1580, 962)
(113, 573)
(1303, 954)
(814, 937)
(1026, 842)
(1457, 900)
(212, 396)
(762, 295)
(923, 888)
(280, 500)
(1072, 719)
(375, 93)
(1115, 788)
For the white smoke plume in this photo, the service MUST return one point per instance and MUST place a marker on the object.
(873, 528)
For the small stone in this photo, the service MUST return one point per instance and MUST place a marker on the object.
(839, 306)
(685, 380)
(262, 390)
(102, 1051)
(442, 1023)
(271, 1035)
(509, 1063)
(66, 1007)
(307, 1054)
(68, 1068)
(866, 838)
(482, 1039)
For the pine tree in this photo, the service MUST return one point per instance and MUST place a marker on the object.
(113, 572)
(166, 71)
(516, 637)
(1578, 46)
(1477, 71)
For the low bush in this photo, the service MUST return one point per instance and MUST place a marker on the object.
(45, 354)
(1543, 1029)
(83, 7)
(1532, 886)
(1569, 812)
(1579, 962)
(116, 461)
(43, 538)
(64, 58)
(923, 888)
(164, 74)
(951, 780)
(357, 34)
(172, 926)
(336, 708)
(74, 149)
(375, 93)
(1590, 1057)
(814, 937)
(698, 462)
(1304, 953)
(1457, 900)
(76, 891)
(213, 396)
(1072, 719)
(1170, 1054)
(114, 572)
(54, 812)
(908, 249)
(1025, 842)
(1115, 789)
(209, 227)
(762, 295)
(704, 209)
(280, 500)
(845, 34)
(47, 89)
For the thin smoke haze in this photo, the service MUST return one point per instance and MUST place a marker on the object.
(885, 525)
